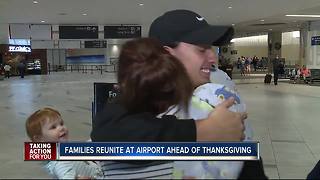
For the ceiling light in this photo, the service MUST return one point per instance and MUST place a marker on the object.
(43, 21)
(230, 7)
(304, 15)
(270, 29)
(262, 20)
(35, 2)
(233, 24)
(141, 4)
(84, 14)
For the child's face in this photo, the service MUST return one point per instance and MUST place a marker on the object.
(54, 131)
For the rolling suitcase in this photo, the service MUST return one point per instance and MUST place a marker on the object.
(267, 79)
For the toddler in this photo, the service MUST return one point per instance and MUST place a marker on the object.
(46, 125)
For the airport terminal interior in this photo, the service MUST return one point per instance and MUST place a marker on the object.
(62, 64)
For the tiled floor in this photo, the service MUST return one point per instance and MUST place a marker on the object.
(285, 119)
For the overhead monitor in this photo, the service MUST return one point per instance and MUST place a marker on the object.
(19, 31)
(95, 44)
(69, 44)
(122, 32)
(78, 32)
(41, 32)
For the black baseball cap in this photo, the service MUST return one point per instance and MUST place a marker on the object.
(189, 27)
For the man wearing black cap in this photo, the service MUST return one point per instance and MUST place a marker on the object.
(188, 37)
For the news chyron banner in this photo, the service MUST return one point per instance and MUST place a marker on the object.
(142, 151)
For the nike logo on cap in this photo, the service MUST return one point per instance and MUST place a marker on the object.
(199, 18)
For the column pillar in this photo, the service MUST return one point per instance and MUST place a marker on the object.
(274, 47)
(303, 43)
(274, 44)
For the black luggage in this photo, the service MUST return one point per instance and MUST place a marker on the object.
(267, 79)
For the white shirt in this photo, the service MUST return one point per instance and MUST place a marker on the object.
(73, 169)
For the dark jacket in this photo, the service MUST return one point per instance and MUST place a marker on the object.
(21, 67)
(276, 65)
(115, 124)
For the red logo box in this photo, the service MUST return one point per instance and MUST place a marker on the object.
(40, 151)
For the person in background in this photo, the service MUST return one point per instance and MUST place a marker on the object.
(276, 69)
(46, 125)
(305, 73)
(243, 67)
(238, 63)
(254, 62)
(21, 69)
(264, 63)
(7, 69)
(281, 69)
(295, 74)
(247, 64)
(1, 72)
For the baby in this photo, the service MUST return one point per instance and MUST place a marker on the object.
(46, 125)
(204, 100)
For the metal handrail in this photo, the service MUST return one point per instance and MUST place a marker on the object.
(84, 68)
